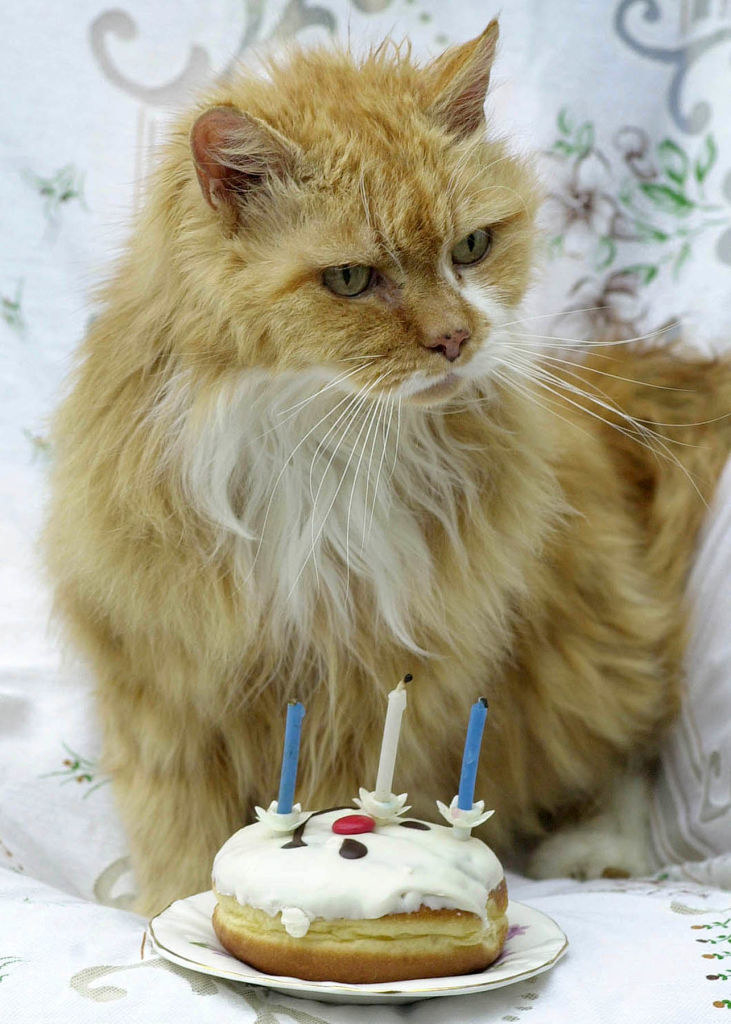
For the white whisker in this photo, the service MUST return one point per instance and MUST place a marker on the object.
(558, 312)
(543, 379)
(398, 438)
(327, 387)
(528, 393)
(337, 489)
(546, 356)
(629, 380)
(323, 440)
(381, 408)
(583, 343)
(641, 425)
(281, 474)
(385, 434)
(376, 406)
(362, 398)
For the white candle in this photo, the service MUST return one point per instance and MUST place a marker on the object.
(389, 746)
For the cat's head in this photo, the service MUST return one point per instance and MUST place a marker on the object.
(356, 218)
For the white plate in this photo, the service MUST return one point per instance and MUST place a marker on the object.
(183, 933)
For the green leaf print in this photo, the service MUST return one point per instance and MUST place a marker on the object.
(585, 138)
(12, 313)
(681, 259)
(578, 142)
(645, 271)
(650, 233)
(673, 161)
(705, 159)
(564, 125)
(40, 446)
(606, 251)
(79, 769)
(64, 186)
(639, 206)
(667, 199)
(7, 961)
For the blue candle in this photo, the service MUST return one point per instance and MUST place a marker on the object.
(471, 755)
(290, 756)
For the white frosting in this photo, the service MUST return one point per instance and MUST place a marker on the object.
(296, 922)
(405, 868)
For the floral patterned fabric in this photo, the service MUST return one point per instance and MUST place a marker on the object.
(627, 105)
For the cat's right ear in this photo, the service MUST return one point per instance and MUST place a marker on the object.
(459, 79)
(234, 155)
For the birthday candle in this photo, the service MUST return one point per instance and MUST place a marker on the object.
(290, 756)
(389, 745)
(471, 755)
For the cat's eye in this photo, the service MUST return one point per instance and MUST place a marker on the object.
(472, 247)
(349, 280)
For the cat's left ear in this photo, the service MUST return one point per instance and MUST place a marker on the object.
(459, 81)
(235, 155)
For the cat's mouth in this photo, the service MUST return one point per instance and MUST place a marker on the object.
(441, 389)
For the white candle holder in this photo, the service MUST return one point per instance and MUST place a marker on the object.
(464, 821)
(281, 822)
(383, 811)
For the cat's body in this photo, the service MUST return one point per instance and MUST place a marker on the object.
(224, 538)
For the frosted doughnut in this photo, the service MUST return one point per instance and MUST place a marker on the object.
(402, 900)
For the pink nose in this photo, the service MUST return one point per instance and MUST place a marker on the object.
(450, 343)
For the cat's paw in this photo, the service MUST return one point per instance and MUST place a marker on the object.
(586, 852)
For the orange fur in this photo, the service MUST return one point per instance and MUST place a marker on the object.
(537, 558)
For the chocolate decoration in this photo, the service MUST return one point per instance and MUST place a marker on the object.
(327, 811)
(420, 825)
(351, 849)
(296, 841)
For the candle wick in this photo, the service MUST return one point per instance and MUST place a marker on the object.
(483, 701)
(408, 677)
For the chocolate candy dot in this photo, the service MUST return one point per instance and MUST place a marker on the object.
(351, 849)
(420, 825)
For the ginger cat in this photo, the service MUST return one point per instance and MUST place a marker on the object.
(304, 453)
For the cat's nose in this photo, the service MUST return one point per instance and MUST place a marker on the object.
(450, 343)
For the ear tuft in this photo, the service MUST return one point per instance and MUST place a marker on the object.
(233, 154)
(460, 77)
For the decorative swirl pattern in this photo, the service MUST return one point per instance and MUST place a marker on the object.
(682, 57)
(296, 16)
(119, 24)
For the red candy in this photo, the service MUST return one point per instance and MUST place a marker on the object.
(353, 825)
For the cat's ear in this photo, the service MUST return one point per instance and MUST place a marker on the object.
(459, 81)
(234, 154)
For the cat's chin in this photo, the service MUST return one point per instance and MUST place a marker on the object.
(434, 394)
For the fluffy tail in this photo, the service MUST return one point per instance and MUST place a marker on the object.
(671, 439)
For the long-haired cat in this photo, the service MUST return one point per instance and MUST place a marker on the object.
(304, 452)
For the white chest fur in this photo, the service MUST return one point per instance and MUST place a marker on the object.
(313, 488)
